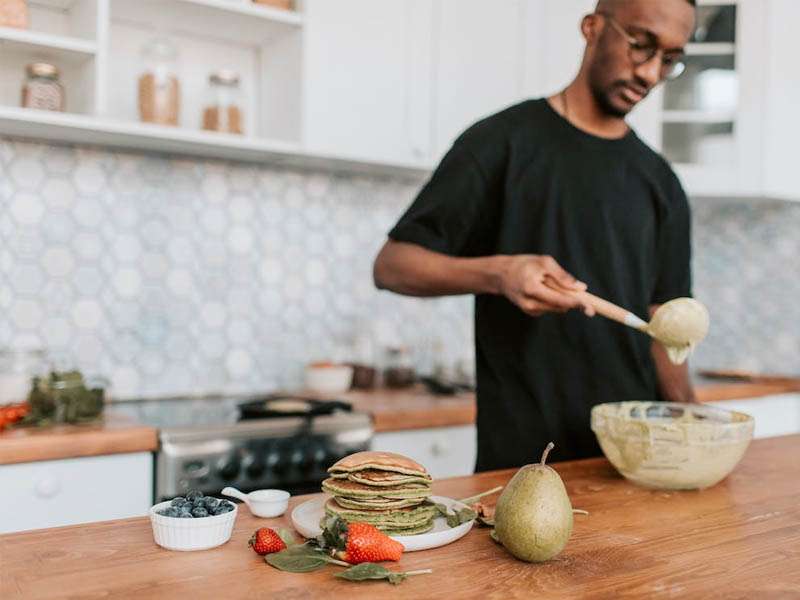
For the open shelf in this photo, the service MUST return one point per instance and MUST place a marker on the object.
(698, 116)
(45, 45)
(711, 49)
(81, 129)
(260, 11)
(244, 23)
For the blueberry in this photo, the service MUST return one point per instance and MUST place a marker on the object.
(185, 515)
(179, 501)
(170, 512)
(161, 512)
(192, 495)
(199, 512)
(223, 507)
(211, 503)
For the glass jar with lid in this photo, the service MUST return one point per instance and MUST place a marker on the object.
(399, 368)
(223, 110)
(159, 88)
(17, 370)
(42, 89)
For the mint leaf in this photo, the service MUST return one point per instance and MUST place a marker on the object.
(301, 558)
(287, 535)
(461, 516)
(297, 559)
(371, 571)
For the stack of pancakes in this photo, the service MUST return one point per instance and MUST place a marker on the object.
(381, 488)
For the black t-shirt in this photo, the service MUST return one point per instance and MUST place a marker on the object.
(612, 213)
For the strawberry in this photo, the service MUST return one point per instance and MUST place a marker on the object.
(266, 541)
(367, 543)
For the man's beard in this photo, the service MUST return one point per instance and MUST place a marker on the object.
(602, 96)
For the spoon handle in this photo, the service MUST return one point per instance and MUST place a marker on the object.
(602, 307)
(612, 311)
(234, 493)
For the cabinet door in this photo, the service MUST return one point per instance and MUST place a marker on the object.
(77, 490)
(478, 62)
(444, 451)
(782, 97)
(367, 74)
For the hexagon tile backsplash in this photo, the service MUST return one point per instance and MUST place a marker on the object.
(178, 276)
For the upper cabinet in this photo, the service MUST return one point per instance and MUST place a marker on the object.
(781, 127)
(368, 79)
(478, 63)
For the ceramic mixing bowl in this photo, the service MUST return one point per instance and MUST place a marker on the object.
(672, 446)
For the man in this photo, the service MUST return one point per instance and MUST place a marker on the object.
(537, 197)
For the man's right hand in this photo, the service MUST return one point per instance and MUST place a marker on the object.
(532, 282)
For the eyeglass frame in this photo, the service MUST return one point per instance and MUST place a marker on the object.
(633, 45)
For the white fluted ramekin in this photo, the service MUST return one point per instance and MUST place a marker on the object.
(191, 534)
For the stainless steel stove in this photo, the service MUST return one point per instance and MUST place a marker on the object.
(248, 443)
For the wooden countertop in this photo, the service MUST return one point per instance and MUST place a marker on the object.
(112, 436)
(393, 410)
(739, 539)
(415, 408)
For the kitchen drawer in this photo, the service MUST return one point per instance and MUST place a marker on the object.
(76, 490)
(444, 451)
(774, 415)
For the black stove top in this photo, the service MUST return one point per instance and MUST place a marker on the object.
(223, 410)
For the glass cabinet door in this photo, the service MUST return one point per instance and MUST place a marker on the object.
(700, 106)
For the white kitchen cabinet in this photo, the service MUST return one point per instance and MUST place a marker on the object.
(444, 451)
(479, 63)
(367, 79)
(774, 415)
(75, 490)
(782, 92)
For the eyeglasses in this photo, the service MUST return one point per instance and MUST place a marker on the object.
(640, 52)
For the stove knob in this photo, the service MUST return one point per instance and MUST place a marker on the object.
(278, 463)
(255, 467)
(316, 458)
(229, 469)
(297, 458)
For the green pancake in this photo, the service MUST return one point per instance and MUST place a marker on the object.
(424, 528)
(351, 489)
(376, 478)
(379, 461)
(396, 518)
(376, 503)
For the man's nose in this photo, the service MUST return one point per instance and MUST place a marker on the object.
(649, 72)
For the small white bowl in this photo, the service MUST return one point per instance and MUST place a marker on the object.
(191, 534)
(262, 503)
(330, 379)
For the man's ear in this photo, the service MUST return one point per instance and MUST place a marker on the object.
(591, 28)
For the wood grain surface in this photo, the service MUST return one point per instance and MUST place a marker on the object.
(739, 539)
(112, 436)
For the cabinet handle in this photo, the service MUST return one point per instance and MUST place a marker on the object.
(48, 488)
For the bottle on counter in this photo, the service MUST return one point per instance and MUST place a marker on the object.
(223, 111)
(42, 89)
(14, 13)
(159, 88)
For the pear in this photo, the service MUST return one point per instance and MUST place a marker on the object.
(533, 519)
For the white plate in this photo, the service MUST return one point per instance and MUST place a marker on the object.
(306, 518)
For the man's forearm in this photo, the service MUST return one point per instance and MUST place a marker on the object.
(416, 271)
